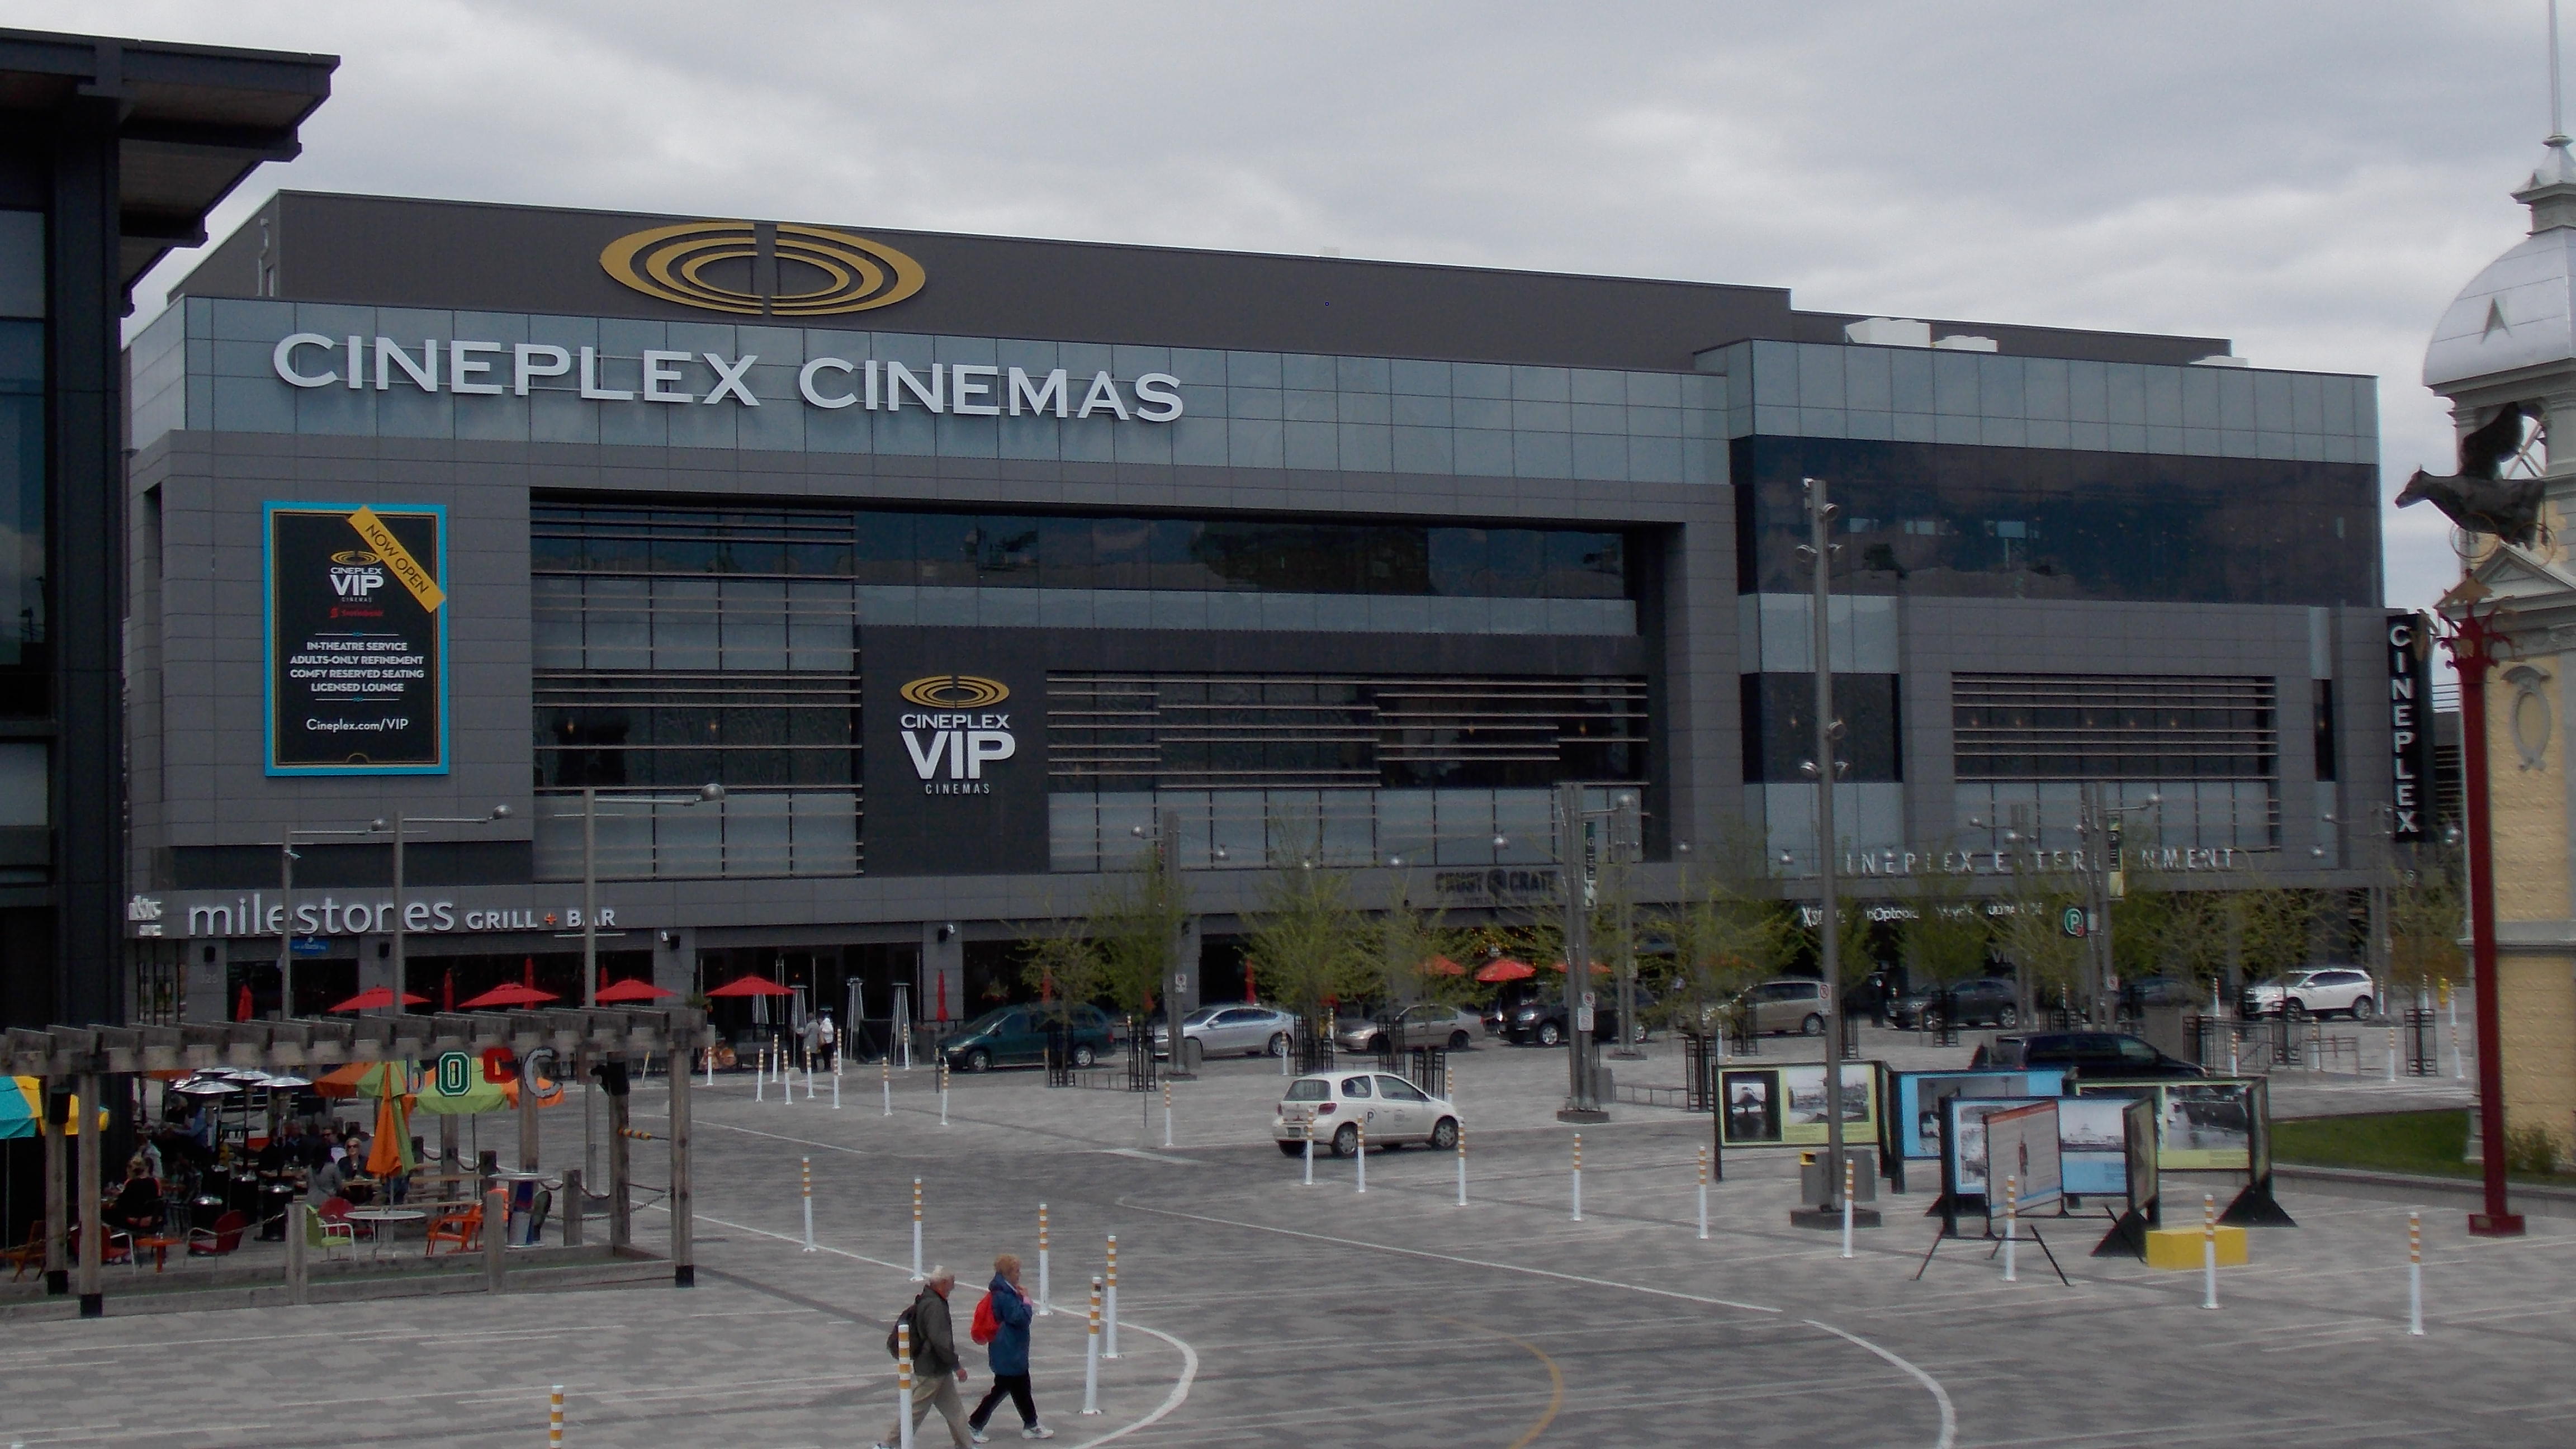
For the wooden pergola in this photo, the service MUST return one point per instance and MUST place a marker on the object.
(77, 1059)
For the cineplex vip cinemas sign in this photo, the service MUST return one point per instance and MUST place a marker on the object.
(356, 638)
(951, 735)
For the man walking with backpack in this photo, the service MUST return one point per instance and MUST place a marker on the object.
(936, 1373)
(1002, 1321)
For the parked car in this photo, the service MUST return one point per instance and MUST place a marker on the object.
(2136, 996)
(1982, 1001)
(1425, 1024)
(1795, 1006)
(1236, 1030)
(1331, 1106)
(2314, 992)
(1016, 1036)
(2092, 1055)
(1541, 1020)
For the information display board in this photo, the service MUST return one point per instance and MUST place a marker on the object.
(2206, 1124)
(2090, 1151)
(1919, 1096)
(1784, 1106)
(356, 638)
(2021, 1149)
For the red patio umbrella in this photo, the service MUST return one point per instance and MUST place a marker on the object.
(241, 1007)
(509, 994)
(377, 998)
(751, 986)
(1505, 969)
(1443, 966)
(1598, 968)
(633, 991)
(447, 990)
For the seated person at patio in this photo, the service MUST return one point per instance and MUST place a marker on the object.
(329, 1180)
(275, 1155)
(138, 1203)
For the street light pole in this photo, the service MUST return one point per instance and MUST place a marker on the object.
(395, 824)
(2473, 643)
(1826, 769)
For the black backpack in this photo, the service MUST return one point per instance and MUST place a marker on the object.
(903, 1320)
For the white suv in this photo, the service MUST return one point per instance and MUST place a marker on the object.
(2314, 993)
(1332, 1106)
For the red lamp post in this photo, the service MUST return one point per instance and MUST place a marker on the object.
(2475, 645)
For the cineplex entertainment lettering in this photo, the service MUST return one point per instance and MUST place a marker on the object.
(357, 631)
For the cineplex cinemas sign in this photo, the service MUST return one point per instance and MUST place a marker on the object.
(466, 368)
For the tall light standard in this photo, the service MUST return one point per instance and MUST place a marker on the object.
(2098, 825)
(707, 794)
(396, 823)
(1826, 770)
(286, 858)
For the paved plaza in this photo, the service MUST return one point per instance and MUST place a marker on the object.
(1259, 1312)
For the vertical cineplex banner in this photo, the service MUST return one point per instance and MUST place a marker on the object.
(2410, 727)
(357, 638)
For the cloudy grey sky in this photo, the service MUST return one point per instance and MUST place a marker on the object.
(2315, 180)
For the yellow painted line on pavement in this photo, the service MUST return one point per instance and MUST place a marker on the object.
(1555, 1380)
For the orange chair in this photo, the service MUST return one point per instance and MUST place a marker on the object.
(463, 1227)
(30, 1256)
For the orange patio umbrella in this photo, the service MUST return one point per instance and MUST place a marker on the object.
(1505, 969)
(1443, 966)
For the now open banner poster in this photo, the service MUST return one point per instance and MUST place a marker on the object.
(356, 605)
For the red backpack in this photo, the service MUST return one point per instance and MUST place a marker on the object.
(985, 1324)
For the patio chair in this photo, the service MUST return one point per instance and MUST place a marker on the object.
(224, 1237)
(118, 1248)
(323, 1233)
(463, 1227)
(29, 1257)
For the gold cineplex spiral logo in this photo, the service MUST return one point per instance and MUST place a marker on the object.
(672, 262)
(956, 691)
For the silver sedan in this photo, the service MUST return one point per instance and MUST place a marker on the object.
(1232, 1030)
(1424, 1023)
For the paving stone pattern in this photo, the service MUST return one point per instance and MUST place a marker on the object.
(1259, 1312)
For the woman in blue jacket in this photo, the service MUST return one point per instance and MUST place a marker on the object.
(1009, 1354)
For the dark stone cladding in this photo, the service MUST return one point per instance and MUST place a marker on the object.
(410, 252)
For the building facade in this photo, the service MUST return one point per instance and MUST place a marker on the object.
(970, 567)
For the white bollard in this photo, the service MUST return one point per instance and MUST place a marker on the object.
(1167, 1114)
(1360, 1170)
(786, 1084)
(1462, 1165)
(1703, 1194)
(1847, 1204)
(903, 1384)
(711, 1066)
(1046, 1304)
(916, 1230)
(942, 1069)
(760, 1078)
(1578, 1177)
(554, 1418)
(2415, 1272)
(2459, 1067)
(2208, 1251)
(806, 1169)
(1310, 1156)
(1091, 1356)
(809, 1080)
(2392, 1049)
(1109, 1334)
(2012, 1227)
(885, 1084)
(836, 1088)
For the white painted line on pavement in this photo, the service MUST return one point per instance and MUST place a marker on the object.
(1142, 1155)
(1940, 1395)
(1450, 1258)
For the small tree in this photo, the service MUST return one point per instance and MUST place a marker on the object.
(1724, 940)
(2050, 963)
(1309, 944)
(2423, 930)
(1060, 963)
(1951, 937)
(1133, 930)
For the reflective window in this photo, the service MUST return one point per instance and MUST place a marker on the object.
(1959, 521)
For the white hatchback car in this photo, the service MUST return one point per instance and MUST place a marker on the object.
(2314, 993)
(1331, 1106)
